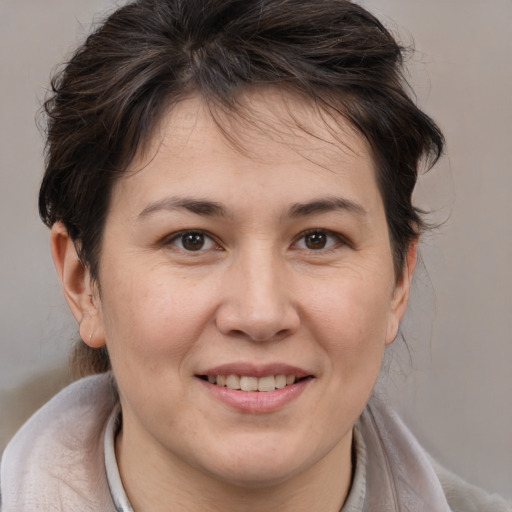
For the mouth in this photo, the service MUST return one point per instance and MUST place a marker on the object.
(264, 384)
(255, 389)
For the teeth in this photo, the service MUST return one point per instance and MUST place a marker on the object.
(246, 383)
(233, 382)
(267, 383)
(249, 383)
(280, 381)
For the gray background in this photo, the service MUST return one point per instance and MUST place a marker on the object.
(454, 386)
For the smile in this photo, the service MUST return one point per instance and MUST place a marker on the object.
(255, 395)
(250, 383)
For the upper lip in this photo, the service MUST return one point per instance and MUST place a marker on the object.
(252, 370)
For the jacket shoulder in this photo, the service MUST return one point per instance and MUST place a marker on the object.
(55, 462)
(464, 497)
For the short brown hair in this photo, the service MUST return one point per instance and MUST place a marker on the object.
(150, 54)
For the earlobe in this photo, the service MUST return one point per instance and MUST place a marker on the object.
(401, 292)
(77, 285)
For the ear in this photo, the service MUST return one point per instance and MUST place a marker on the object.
(401, 293)
(79, 289)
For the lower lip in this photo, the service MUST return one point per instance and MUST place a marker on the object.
(257, 401)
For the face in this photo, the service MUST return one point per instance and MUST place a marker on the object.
(262, 267)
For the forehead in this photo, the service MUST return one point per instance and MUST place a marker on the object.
(259, 114)
(273, 139)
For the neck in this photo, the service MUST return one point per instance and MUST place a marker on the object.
(157, 482)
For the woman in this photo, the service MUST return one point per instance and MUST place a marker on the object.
(228, 187)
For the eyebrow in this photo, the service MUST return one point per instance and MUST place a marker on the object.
(213, 209)
(197, 206)
(327, 204)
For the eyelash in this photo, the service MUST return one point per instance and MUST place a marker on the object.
(169, 240)
(339, 240)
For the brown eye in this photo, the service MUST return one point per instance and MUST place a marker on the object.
(316, 240)
(192, 241)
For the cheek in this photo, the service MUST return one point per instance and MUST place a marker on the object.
(350, 321)
(355, 307)
(149, 318)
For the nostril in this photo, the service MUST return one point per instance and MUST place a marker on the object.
(257, 321)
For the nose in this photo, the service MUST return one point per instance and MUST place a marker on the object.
(257, 303)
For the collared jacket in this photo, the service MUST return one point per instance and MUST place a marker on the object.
(62, 460)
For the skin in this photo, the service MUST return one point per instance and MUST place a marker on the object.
(258, 291)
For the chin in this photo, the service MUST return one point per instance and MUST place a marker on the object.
(257, 474)
(256, 464)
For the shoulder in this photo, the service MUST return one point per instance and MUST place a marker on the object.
(57, 456)
(400, 472)
(464, 497)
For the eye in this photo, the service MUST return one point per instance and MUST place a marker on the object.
(317, 239)
(192, 241)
